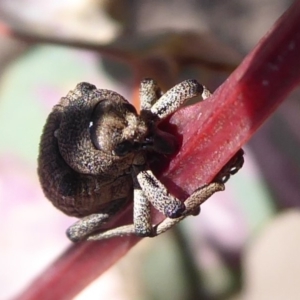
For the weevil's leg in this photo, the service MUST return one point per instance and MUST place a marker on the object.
(176, 96)
(192, 204)
(141, 212)
(141, 205)
(87, 225)
(149, 93)
(206, 93)
(141, 215)
(158, 195)
(145, 184)
(125, 230)
(231, 168)
(141, 218)
(142, 221)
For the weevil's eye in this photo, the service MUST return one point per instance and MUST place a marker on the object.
(97, 116)
(93, 133)
(123, 148)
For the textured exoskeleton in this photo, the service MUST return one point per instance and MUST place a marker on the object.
(93, 159)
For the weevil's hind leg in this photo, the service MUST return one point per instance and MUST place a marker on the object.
(149, 93)
(192, 205)
(125, 230)
(176, 96)
(89, 224)
(85, 226)
(141, 219)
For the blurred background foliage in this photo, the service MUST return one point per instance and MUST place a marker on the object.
(245, 242)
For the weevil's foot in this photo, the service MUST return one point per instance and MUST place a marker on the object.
(174, 212)
(231, 168)
(145, 233)
(196, 211)
(75, 235)
(71, 236)
(143, 230)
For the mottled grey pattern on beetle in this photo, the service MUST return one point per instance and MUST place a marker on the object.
(93, 159)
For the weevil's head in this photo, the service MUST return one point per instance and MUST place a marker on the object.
(100, 132)
(116, 128)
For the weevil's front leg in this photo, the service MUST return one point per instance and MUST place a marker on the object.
(149, 93)
(176, 96)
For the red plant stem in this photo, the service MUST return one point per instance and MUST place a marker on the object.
(212, 132)
(238, 107)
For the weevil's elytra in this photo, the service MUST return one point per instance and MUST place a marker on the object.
(93, 159)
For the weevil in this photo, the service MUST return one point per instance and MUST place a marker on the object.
(94, 155)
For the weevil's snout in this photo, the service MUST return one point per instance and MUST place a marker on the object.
(161, 142)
